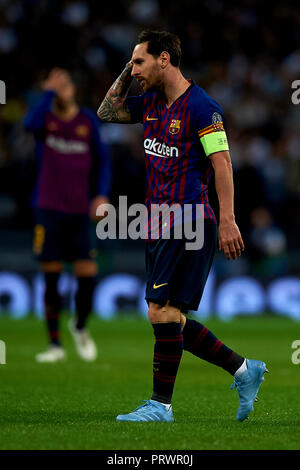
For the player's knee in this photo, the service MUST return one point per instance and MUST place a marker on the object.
(52, 267)
(155, 313)
(158, 313)
(182, 321)
(85, 268)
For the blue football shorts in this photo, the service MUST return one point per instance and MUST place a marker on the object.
(62, 237)
(176, 274)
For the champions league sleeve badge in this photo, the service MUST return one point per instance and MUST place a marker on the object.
(217, 122)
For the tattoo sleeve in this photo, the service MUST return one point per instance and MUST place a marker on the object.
(112, 108)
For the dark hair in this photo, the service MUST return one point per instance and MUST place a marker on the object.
(159, 41)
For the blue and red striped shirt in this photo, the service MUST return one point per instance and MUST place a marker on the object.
(177, 168)
(74, 164)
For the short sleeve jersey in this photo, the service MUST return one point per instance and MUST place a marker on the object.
(69, 154)
(177, 143)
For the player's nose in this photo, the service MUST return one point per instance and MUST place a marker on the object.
(134, 71)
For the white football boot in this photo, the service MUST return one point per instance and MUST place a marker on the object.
(85, 345)
(53, 354)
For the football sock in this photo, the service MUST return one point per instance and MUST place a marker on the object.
(167, 355)
(166, 405)
(52, 307)
(241, 369)
(83, 300)
(201, 342)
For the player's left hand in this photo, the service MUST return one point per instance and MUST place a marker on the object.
(230, 239)
(97, 201)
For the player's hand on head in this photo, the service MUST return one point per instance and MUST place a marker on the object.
(230, 239)
(56, 80)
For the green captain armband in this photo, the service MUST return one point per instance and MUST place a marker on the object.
(214, 142)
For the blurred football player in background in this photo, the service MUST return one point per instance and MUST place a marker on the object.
(74, 176)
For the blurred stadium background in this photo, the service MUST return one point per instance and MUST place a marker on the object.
(245, 54)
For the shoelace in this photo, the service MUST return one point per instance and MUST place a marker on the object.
(144, 405)
(237, 385)
(233, 385)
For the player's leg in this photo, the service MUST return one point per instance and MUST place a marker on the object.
(168, 348)
(46, 246)
(204, 344)
(79, 252)
(52, 305)
(201, 342)
(161, 261)
(85, 271)
(52, 299)
(193, 270)
(248, 373)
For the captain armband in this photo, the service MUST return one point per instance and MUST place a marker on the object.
(214, 142)
(213, 137)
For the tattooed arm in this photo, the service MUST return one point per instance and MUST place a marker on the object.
(113, 108)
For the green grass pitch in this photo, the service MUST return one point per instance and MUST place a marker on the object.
(73, 405)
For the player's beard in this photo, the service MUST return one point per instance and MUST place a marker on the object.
(150, 88)
(156, 86)
(155, 80)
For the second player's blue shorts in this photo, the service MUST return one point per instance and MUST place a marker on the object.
(176, 274)
(61, 237)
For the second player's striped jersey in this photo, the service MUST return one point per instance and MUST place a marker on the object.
(73, 163)
(177, 143)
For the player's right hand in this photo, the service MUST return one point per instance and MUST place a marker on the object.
(230, 239)
(56, 80)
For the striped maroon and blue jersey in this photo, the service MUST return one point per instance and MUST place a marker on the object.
(73, 163)
(177, 168)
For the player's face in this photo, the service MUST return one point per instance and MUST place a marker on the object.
(66, 92)
(146, 68)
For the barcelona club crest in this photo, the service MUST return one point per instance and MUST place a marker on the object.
(174, 126)
(82, 130)
(52, 126)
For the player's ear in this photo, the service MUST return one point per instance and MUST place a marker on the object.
(164, 59)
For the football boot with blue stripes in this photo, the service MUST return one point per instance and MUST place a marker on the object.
(247, 385)
(151, 410)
